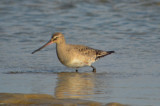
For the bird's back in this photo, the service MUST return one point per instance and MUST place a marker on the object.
(88, 51)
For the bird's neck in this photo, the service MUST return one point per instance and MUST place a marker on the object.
(60, 50)
(61, 44)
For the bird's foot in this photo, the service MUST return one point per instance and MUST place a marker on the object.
(76, 70)
(94, 70)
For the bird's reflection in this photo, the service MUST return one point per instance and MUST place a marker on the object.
(75, 85)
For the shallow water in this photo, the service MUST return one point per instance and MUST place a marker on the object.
(131, 28)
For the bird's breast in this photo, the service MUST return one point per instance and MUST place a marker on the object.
(71, 58)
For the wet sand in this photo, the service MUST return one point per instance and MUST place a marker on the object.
(45, 99)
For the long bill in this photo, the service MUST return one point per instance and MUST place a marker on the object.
(48, 43)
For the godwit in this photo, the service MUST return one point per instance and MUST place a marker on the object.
(74, 56)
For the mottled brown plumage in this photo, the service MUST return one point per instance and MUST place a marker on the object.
(74, 56)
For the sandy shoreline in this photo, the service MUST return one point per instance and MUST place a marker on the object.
(45, 99)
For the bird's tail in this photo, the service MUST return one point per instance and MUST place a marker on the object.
(109, 52)
(100, 54)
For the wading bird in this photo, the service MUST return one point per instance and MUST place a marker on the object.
(74, 56)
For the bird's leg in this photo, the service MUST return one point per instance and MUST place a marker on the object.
(76, 70)
(94, 69)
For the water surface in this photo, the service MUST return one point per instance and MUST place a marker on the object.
(131, 28)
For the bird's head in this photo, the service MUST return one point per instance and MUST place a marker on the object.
(56, 38)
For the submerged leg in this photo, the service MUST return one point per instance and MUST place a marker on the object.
(76, 70)
(94, 69)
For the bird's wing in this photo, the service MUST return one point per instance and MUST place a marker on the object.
(85, 50)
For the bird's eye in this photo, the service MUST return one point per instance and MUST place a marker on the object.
(55, 38)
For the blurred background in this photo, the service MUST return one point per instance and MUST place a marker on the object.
(129, 27)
